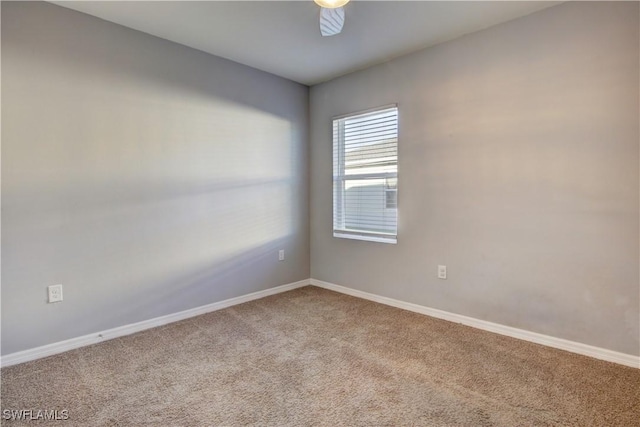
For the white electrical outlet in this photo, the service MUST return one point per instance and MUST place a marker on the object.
(281, 255)
(55, 293)
(442, 272)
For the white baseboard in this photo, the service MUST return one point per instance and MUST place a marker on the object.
(574, 347)
(73, 343)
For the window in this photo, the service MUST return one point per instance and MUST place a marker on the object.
(365, 175)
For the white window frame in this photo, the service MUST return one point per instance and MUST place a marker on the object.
(339, 176)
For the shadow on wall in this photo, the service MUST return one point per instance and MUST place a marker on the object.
(179, 290)
(80, 50)
(138, 259)
(146, 177)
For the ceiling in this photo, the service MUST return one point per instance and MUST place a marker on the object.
(283, 37)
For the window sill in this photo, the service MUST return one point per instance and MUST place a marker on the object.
(379, 238)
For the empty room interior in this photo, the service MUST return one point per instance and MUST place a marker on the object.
(327, 213)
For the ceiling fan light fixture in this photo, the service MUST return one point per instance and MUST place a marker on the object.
(331, 4)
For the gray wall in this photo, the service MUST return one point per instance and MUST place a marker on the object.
(518, 169)
(144, 176)
(150, 178)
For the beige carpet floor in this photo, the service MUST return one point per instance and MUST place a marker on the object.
(311, 357)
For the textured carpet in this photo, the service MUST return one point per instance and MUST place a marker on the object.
(311, 357)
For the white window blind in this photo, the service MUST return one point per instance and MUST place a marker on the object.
(365, 175)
